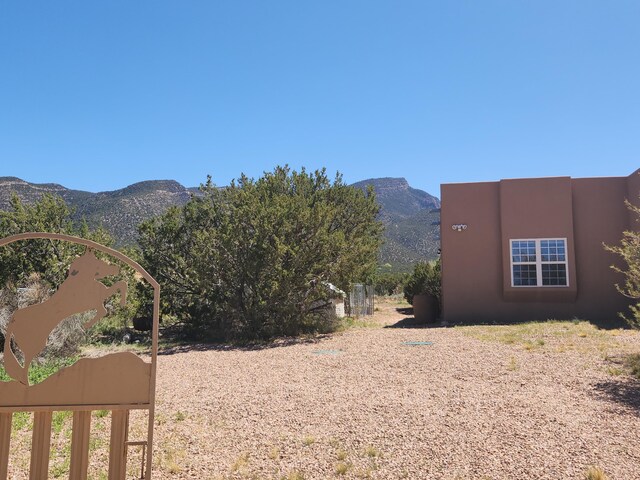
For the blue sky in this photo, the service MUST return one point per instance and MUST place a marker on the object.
(98, 95)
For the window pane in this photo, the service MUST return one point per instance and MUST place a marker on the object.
(524, 275)
(552, 250)
(523, 251)
(554, 274)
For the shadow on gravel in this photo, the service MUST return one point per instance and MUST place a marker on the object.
(625, 392)
(243, 347)
(411, 322)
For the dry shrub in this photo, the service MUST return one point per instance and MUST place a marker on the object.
(35, 291)
(66, 339)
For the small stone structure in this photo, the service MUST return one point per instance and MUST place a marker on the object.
(337, 300)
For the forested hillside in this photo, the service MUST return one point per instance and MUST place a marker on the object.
(412, 222)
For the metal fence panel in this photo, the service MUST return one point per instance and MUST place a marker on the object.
(361, 300)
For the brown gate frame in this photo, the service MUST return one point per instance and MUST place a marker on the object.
(82, 413)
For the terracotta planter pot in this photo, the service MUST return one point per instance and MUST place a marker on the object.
(425, 308)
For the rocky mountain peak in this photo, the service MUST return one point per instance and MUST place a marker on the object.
(148, 187)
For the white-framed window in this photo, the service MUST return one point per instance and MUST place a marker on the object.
(539, 262)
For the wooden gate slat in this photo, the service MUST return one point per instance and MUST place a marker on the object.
(40, 446)
(80, 445)
(118, 445)
(5, 440)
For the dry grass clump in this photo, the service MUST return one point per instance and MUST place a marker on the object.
(595, 473)
(624, 364)
(632, 362)
(241, 462)
(372, 452)
(308, 441)
(274, 453)
(342, 468)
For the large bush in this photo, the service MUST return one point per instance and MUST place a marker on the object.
(425, 279)
(252, 260)
(629, 250)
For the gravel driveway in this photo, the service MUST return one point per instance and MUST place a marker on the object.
(362, 404)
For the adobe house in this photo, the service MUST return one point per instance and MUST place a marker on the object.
(532, 249)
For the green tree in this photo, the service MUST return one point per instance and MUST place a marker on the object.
(629, 250)
(390, 283)
(49, 258)
(252, 260)
(426, 278)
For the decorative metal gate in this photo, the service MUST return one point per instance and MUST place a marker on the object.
(117, 382)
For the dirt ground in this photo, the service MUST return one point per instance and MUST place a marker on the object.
(364, 404)
(542, 401)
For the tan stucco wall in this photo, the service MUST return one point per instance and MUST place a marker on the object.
(471, 259)
(476, 268)
(537, 208)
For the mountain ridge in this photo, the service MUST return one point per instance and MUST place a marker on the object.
(411, 216)
(119, 211)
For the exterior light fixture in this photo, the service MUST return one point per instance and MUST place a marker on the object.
(458, 227)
